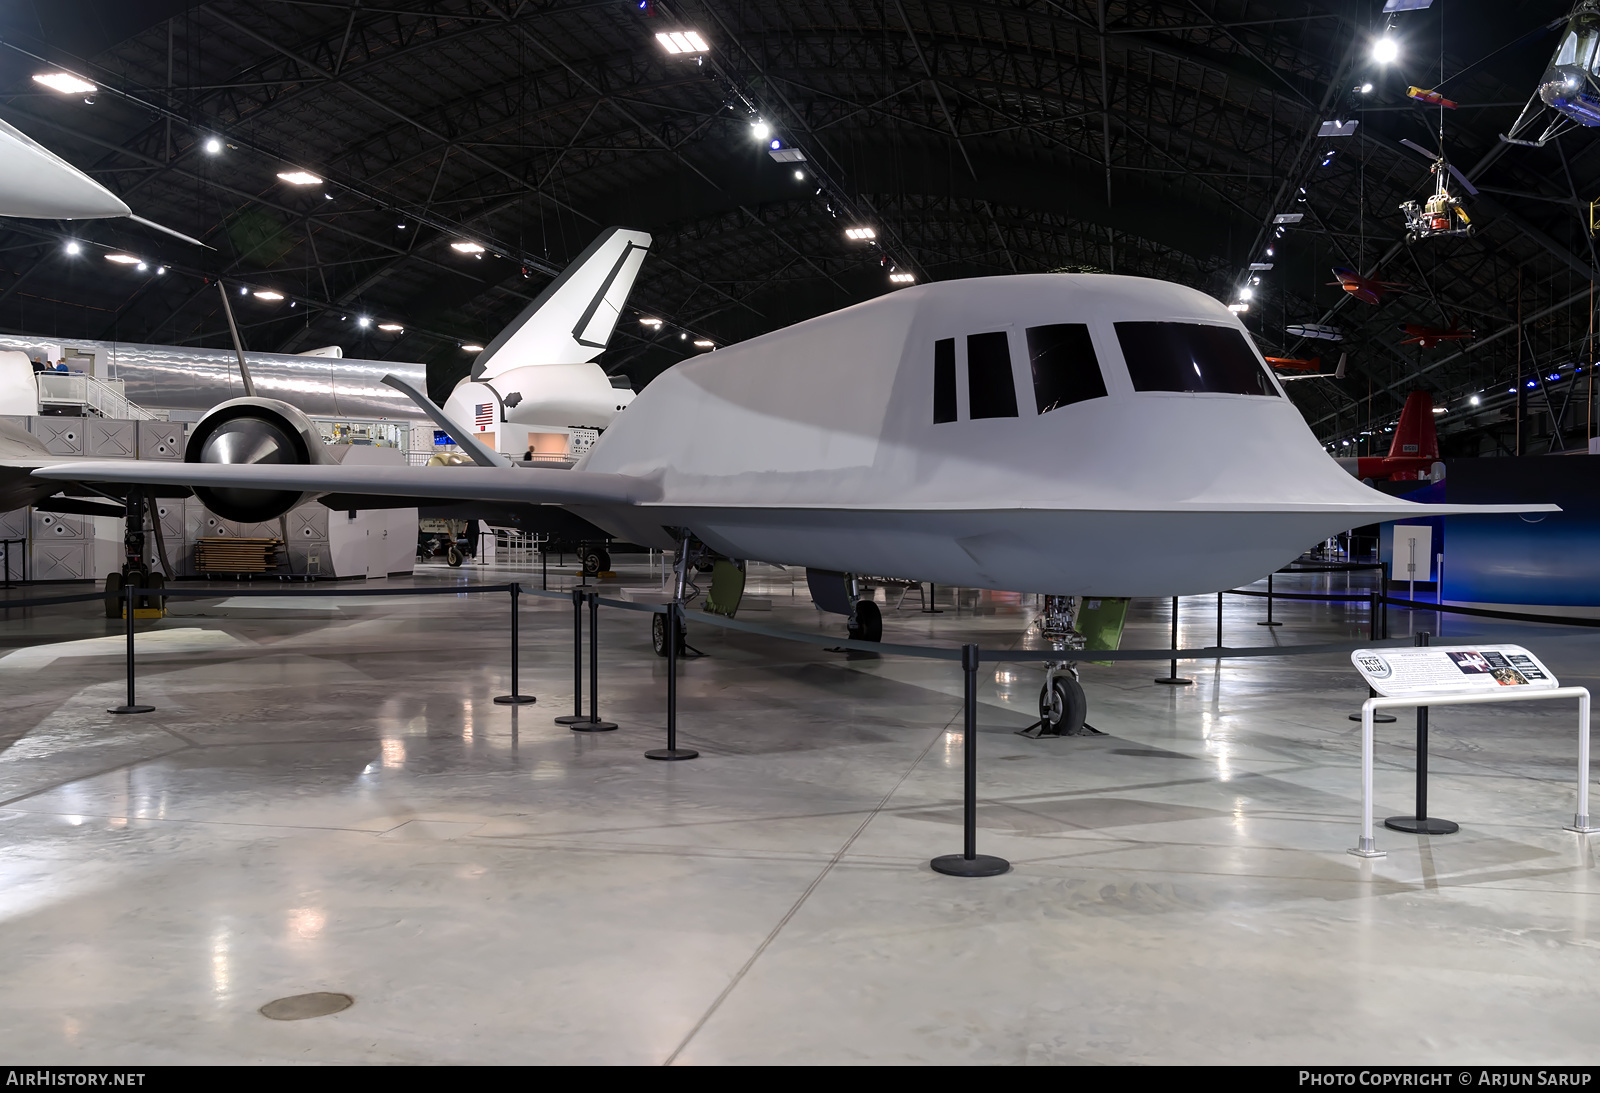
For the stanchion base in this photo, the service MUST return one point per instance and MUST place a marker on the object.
(1580, 824)
(515, 700)
(1175, 681)
(130, 709)
(668, 755)
(1377, 718)
(1274, 622)
(1365, 849)
(981, 865)
(592, 726)
(1428, 825)
(572, 719)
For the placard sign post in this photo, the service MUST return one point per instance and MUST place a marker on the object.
(1455, 675)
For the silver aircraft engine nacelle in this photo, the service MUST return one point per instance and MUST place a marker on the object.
(254, 430)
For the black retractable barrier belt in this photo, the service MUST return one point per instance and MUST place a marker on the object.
(45, 601)
(1296, 595)
(203, 594)
(826, 639)
(1486, 613)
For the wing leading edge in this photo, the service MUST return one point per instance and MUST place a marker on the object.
(534, 485)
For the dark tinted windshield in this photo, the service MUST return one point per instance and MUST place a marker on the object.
(1064, 366)
(1192, 357)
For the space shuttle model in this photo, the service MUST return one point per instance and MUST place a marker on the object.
(539, 372)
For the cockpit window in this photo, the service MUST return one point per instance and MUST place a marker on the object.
(991, 392)
(1064, 366)
(1192, 357)
(944, 380)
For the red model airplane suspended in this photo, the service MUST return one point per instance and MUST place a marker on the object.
(1433, 98)
(1365, 289)
(1412, 454)
(1296, 364)
(1429, 336)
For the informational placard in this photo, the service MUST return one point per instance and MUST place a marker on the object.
(1451, 669)
(1413, 545)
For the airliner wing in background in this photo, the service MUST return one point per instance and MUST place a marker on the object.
(530, 485)
(572, 320)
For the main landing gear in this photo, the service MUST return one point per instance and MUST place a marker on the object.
(867, 623)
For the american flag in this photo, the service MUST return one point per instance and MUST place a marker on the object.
(485, 414)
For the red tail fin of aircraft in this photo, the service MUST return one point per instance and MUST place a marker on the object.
(1415, 436)
(1415, 448)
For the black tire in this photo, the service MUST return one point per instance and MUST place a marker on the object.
(114, 598)
(658, 635)
(594, 561)
(156, 581)
(867, 625)
(452, 558)
(1062, 707)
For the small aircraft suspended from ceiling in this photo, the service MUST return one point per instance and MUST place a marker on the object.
(1308, 368)
(1442, 213)
(1315, 331)
(1429, 336)
(1432, 98)
(1365, 289)
(1571, 82)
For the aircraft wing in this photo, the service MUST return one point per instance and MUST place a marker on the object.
(535, 485)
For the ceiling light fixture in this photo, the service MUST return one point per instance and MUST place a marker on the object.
(704, 343)
(391, 327)
(1238, 309)
(1385, 50)
(141, 267)
(682, 41)
(760, 129)
(299, 178)
(472, 348)
(212, 146)
(65, 82)
(268, 294)
(122, 259)
(1473, 400)
(860, 233)
(467, 247)
(649, 320)
(799, 176)
(72, 246)
(902, 278)
(363, 322)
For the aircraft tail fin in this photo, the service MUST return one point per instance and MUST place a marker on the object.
(572, 320)
(1415, 437)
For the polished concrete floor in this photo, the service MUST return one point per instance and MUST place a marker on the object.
(326, 799)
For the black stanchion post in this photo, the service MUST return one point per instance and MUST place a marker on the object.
(1378, 716)
(969, 863)
(672, 751)
(1421, 823)
(516, 697)
(1172, 677)
(1269, 621)
(132, 706)
(576, 716)
(594, 724)
(544, 568)
(1219, 620)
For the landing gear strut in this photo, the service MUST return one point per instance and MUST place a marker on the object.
(1062, 703)
(136, 566)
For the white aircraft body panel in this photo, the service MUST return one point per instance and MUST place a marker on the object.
(817, 446)
(38, 184)
(171, 377)
(556, 396)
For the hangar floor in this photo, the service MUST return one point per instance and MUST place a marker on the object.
(326, 799)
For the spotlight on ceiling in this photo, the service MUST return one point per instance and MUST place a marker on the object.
(860, 233)
(213, 146)
(393, 328)
(1385, 50)
(650, 321)
(65, 82)
(363, 322)
(682, 41)
(122, 259)
(902, 278)
(760, 129)
(73, 247)
(1366, 89)
(467, 247)
(141, 267)
(472, 349)
(299, 178)
(1238, 309)
(799, 176)
(1473, 400)
(268, 294)
(705, 343)
(161, 271)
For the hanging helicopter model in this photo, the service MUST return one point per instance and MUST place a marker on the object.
(1442, 213)
(1571, 82)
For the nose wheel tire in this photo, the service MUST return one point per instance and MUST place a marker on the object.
(1062, 708)
(867, 623)
(658, 635)
(452, 558)
(596, 561)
